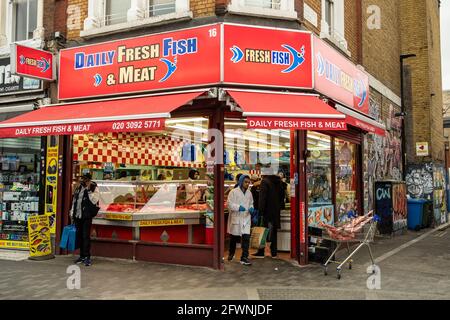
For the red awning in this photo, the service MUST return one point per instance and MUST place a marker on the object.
(287, 111)
(133, 114)
(363, 122)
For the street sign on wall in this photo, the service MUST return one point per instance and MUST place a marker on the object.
(189, 57)
(32, 63)
(267, 57)
(338, 78)
(422, 149)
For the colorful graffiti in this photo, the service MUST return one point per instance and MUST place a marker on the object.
(439, 197)
(382, 155)
(419, 181)
(399, 206)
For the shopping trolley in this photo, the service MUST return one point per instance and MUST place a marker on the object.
(359, 230)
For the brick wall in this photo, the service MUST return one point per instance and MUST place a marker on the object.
(203, 8)
(419, 26)
(317, 7)
(381, 47)
(351, 29)
(77, 12)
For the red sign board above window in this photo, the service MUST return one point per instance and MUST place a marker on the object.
(339, 79)
(189, 57)
(267, 57)
(32, 63)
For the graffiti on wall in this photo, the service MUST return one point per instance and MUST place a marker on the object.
(419, 181)
(399, 206)
(382, 155)
(439, 198)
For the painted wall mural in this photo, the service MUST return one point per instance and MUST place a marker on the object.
(382, 155)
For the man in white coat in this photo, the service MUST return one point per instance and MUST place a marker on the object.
(240, 207)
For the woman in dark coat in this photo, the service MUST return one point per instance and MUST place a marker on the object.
(271, 197)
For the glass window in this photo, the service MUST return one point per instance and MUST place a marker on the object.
(320, 202)
(25, 12)
(257, 152)
(159, 7)
(149, 179)
(346, 179)
(19, 189)
(116, 11)
(270, 4)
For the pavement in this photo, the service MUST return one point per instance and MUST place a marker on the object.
(413, 266)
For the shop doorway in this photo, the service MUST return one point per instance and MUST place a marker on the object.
(258, 153)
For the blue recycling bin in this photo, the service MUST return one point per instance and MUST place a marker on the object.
(415, 213)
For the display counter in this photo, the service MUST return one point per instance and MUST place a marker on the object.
(161, 211)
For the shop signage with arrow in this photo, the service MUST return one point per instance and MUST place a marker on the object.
(32, 63)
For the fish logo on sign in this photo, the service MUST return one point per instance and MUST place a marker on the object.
(297, 58)
(43, 64)
(360, 92)
(171, 68)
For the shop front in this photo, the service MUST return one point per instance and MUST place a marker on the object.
(165, 161)
(20, 168)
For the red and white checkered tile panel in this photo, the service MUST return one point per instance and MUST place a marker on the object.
(130, 148)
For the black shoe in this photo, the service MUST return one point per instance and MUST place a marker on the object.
(79, 260)
(246, 262)
(258, 255)
(230, 257)
(274, 256)
(87, 262)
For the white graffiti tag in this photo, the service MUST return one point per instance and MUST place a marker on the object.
(419, 182)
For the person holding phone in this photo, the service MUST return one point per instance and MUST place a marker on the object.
(84, 209)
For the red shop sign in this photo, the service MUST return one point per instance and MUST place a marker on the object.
(267, 57)
(189, 57)
(32, 63)
(339, 79)
(140, 125)
(297, 124)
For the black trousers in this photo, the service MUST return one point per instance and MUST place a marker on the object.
(245, 245)
(272, 238)
(84, 237)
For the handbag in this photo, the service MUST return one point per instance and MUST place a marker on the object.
(71, 243)
(68, 238)
(258, 237)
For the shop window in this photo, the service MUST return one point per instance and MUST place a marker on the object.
(160, 7)
(346, 179)
(157, 181)
(319, 180)
(283, 9)
(106, 16)
(116, 11)
(25, 19)
(19, 189)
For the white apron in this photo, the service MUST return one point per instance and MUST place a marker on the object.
(239, 222)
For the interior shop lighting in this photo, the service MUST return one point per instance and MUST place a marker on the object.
(265, 142)
(237, 124)
(121, 185)
(189, 128)
(185, 120)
